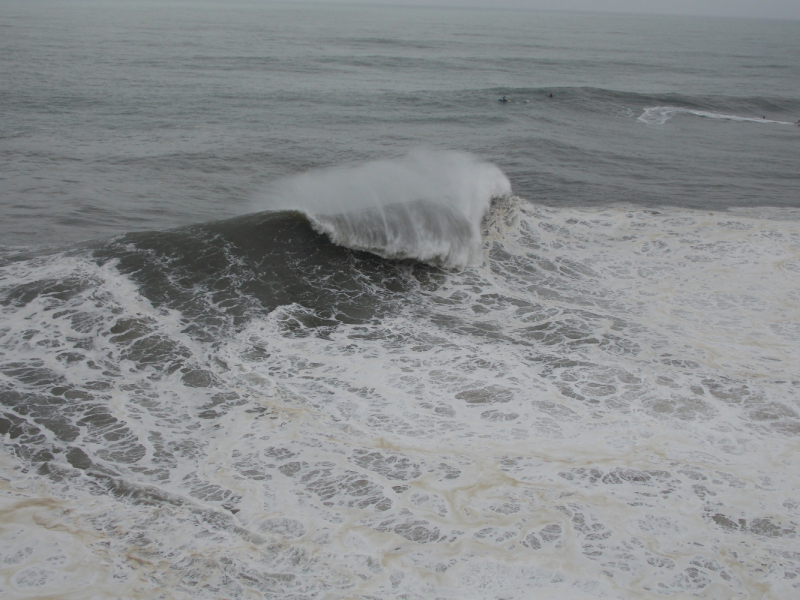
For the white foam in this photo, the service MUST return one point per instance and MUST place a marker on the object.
(658, 115)
(606, 407)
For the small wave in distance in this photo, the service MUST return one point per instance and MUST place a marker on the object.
(658, 115)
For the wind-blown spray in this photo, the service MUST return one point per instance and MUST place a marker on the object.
(425, 206)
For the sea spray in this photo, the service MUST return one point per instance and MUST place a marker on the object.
(425, 206)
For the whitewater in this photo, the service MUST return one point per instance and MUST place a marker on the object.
(291, 307)
(604, 407)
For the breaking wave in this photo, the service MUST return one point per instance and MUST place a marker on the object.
(658, 115)
(425, 206)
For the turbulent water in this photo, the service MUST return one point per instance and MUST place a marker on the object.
(292, 307)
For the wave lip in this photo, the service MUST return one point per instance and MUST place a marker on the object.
(426, 206)
(658, 115)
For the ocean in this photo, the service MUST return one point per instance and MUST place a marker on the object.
(292, 306)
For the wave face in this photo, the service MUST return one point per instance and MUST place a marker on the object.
(426, 206)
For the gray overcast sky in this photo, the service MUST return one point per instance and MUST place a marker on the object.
(771, 9)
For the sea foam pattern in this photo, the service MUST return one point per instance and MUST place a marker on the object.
(605, 407)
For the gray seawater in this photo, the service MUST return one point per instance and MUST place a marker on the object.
(292, 307)
(145, 115)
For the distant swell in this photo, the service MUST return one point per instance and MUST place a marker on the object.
(426, 206)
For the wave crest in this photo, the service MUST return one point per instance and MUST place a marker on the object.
(425, 206)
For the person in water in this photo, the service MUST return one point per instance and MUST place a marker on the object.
(551, 95)
(503, 99)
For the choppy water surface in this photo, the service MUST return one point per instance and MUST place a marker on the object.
(553, 354)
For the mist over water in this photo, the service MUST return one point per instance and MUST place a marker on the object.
(255, 343)
(426, 206)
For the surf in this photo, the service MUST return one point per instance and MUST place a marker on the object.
(425, 206)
